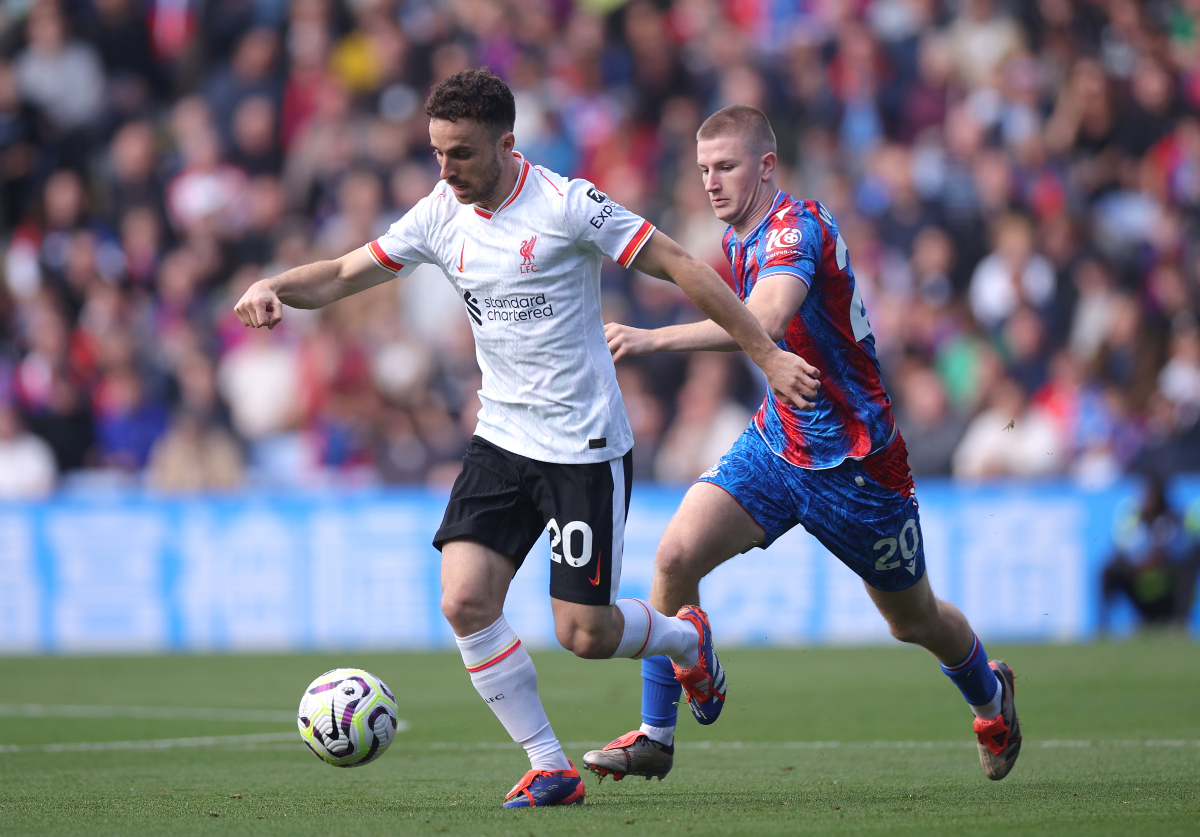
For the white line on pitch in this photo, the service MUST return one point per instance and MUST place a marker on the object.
(275, 737)
(153, 713)
(816, 745)
(144, 713)
(155, 744)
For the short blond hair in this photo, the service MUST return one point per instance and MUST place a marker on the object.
(744, 121)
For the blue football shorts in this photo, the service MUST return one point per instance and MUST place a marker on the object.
(864, 511)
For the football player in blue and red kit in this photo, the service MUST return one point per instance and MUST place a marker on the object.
(838, 466)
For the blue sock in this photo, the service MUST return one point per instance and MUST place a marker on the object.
(974, 678)
(660, 692)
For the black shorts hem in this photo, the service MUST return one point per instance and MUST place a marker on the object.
(581, 597)
(467, 531)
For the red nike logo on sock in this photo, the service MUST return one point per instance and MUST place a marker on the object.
(595, 582)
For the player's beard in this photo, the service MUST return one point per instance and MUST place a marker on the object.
(489, 180)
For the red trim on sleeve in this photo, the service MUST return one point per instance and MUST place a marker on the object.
(383, 259)
(635, 244)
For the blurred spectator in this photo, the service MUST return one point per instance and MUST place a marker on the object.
(194, 455)
(119, 31)
(927, 98)
(134, 182)
(706, 424)
(260, 379)
(1156, 563)
(127, 422)
(249, 73)
(208, 193)
(1011, 274)
(1179, 380)
(982, 37)
(48, 383)
(254, 132)
(18, 151)
(1024, 344)
(647, 418)
(61, 76)
(26, 462)
(1008, 440)
(1095, 307)
(931, 429)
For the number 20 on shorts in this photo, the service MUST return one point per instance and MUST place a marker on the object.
(563, 541)
(909, 532)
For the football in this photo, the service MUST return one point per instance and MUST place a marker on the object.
(347, 717)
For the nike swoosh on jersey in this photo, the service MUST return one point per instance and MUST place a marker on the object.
(461, 253)
(595, 582)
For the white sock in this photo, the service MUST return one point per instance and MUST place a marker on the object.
(505, 678)
(663, 735)
(648, 633)
(991, 709)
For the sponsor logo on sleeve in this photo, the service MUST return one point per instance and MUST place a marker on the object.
(596, 195)
(605, 213)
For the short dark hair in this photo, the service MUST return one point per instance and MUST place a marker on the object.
(744, 121)
(474, 94)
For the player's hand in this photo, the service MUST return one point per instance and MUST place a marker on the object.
(626, 341)
(259, 306)
(793, 380)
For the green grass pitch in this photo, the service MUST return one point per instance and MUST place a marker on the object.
(829, 741)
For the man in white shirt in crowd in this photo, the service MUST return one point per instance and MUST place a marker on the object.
(27, 468)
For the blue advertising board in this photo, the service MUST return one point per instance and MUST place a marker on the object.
(133, 573)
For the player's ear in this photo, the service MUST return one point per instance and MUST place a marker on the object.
(768, 165)
(508, 142)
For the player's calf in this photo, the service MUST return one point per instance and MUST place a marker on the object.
(588, 632)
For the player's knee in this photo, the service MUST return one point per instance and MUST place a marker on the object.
(585, 641)
(587, 637)
(915, 631)
(674, 560)
(467, 614)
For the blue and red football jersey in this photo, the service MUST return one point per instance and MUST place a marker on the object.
(852, 416)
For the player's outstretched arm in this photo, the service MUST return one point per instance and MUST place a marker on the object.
(731, 324)
(309, 286)
(774, 302)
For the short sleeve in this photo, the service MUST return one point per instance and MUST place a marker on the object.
(406, 245)
(599, 224)
(792, 246)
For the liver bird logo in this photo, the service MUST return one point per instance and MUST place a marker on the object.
(527, 250)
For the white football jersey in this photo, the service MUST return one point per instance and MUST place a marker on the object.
(529, 277)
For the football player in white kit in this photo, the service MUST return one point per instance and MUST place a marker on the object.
(523, 247)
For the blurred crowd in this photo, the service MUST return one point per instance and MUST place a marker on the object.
(1018, 184)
